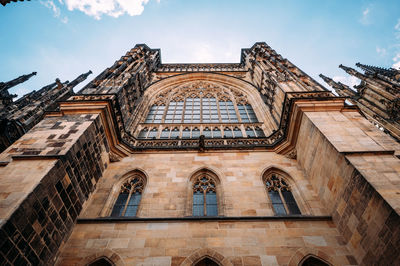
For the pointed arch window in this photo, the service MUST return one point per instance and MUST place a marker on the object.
(250, 132)
(207, 132)
(101, 262)
(195, 133)
(313, 261)
(206, 262)
(129, 197)
(186, 133)
(259, 132)
(153, 133)
(216, 132)
(143, 133)
(200, 106)
(281, 196)
(205, 196)
(175, 133)
(165, 133)
(237, 132)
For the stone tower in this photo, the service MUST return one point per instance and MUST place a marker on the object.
(249, 163)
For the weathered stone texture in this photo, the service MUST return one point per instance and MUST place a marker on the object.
(51, 197)
(360, 204)
(240, 243)
(168, 188)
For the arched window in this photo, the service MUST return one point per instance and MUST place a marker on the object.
(204, 196)
(153, 133)
(175, 133)
(165, 133)
(280, 194)
(101, 262)
(206, 262)
(216, 133)
(250, 132)
(237, 132)
(201, 103)
(260, 132)
(313, 261)
(207, 132)
(186, 133)
(143, 133)
(129, 196)
(228, 132)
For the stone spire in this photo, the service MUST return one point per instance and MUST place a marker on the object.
(14, 82)
(79, 79)
(388, 72)
(5, 96)
(340, 88)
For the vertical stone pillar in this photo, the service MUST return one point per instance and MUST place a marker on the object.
(46, 177)
(352, 167)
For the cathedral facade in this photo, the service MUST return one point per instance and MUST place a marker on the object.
(250, 163)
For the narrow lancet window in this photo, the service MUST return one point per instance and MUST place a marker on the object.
(129, 197)
(281, 195)
(204, 197)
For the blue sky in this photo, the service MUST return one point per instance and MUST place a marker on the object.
(64, 38)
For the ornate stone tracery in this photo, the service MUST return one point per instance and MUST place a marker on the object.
(276, 182)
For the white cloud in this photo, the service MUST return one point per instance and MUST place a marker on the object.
(365, 18)
(55, 9)
(381, 51)
(396, 60)
(397, 29)
(114, 8)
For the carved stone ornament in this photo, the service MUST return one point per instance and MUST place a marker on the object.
(114, 157)
(292, 154)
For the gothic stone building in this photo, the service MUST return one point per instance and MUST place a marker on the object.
(250, 163)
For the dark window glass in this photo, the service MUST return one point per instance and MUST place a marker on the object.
(237, 132)
(152, 133)
(204, 197)
(133, 204)
(280, 195)
(175, 133)
(211, 203)
(312, 261)
(290, 202)
(277, 202)
(119, 204)
(228, 132)
(129, 198)
(250, 132)
(165, 133)
(198, 204)
(259, 132)
(195, 133)
(207, 132)
(186, 133)
(100, 262)
(143, 133)
(216, 133)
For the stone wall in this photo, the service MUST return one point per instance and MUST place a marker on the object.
(354, 178)
(229, 242)
(168, 189)
(54, 169)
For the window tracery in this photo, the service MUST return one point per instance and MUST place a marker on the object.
(281, 196)
(129, 197)
(204, 196)
(200, 106)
